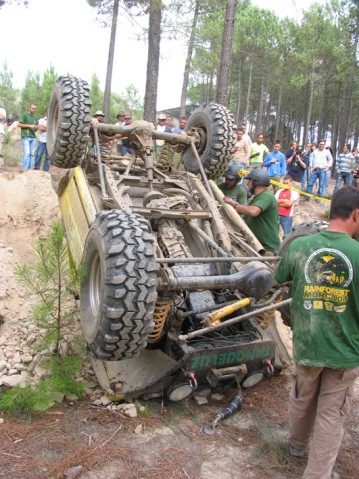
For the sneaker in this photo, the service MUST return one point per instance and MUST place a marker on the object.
(293, 451)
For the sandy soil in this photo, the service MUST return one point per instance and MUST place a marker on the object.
(90, 442)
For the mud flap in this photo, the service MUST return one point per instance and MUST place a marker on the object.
(282, 352)
(135, 376)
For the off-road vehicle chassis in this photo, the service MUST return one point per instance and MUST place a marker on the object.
(168, 265)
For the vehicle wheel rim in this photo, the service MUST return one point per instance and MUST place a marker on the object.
(95, 285)
(94, 297)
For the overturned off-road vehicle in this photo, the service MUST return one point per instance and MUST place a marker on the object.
(175, 292)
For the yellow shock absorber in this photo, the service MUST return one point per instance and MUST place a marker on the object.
(216, 316)
(159, 318)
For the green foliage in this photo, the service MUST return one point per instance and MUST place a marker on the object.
(51, 281)
(23, 401)
(31, 93)
(63, 372)
(8, 94)
(273, 444)
(48, 81)
(96, 94)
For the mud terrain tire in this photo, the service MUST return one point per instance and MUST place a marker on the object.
(68, 124)
(215, 126)
(304, 229)
(118, 293)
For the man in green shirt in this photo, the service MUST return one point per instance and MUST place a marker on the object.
(258, 151)
(28, 125)
(230, 187)
(261, 214)
(324, 269)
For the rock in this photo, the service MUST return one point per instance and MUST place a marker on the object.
(26, 358)
(12, 371)
(203, 392)
(30, 339)
(105, 401)
(59, 397)
(200, 400)
(139, 429)
(72, 397)
(131, 412)
(20, 367)
(73, 472)
(3, 365)
(17, 358)
(217, 397)
(14, 380)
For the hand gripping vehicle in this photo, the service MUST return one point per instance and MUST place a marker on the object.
(175, 293)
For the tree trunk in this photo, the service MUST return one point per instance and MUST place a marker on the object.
(249, 89)
(345, 111)
(111, 53)
(238, 109)
(224, 66)
(259, 122)
(309, 108)
(334, 140)
(153, 60)
(277, 123)
(188, 60)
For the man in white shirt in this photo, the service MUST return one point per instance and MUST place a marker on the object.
(161, 126)
(321, 161)
(41, 146)
(245, 134)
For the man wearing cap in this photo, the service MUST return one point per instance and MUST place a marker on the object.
(161, 126)
(121, 121)
(230, 187)
(261, 214)
(100, 116)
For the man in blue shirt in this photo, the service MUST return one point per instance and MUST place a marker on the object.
(275, 163)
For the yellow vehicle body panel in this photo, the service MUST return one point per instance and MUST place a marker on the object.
(78, 212)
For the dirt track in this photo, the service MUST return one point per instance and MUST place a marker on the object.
(250, 444)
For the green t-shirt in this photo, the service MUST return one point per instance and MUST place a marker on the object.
(27, 119)
(265, 225)
(325, 299)
(238, 193)
(261, 149)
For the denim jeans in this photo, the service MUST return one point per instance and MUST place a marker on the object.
(28, 144)
(305, 179)
(41, 148)
(328, 175)
(286, 223)
(125, 150)
(346, 177)
(322, 175)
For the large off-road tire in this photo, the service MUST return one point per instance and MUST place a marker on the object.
(304, 229)
(68, 123)
(215, 126)
(118, 292)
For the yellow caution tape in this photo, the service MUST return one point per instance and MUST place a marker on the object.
(286, 187)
